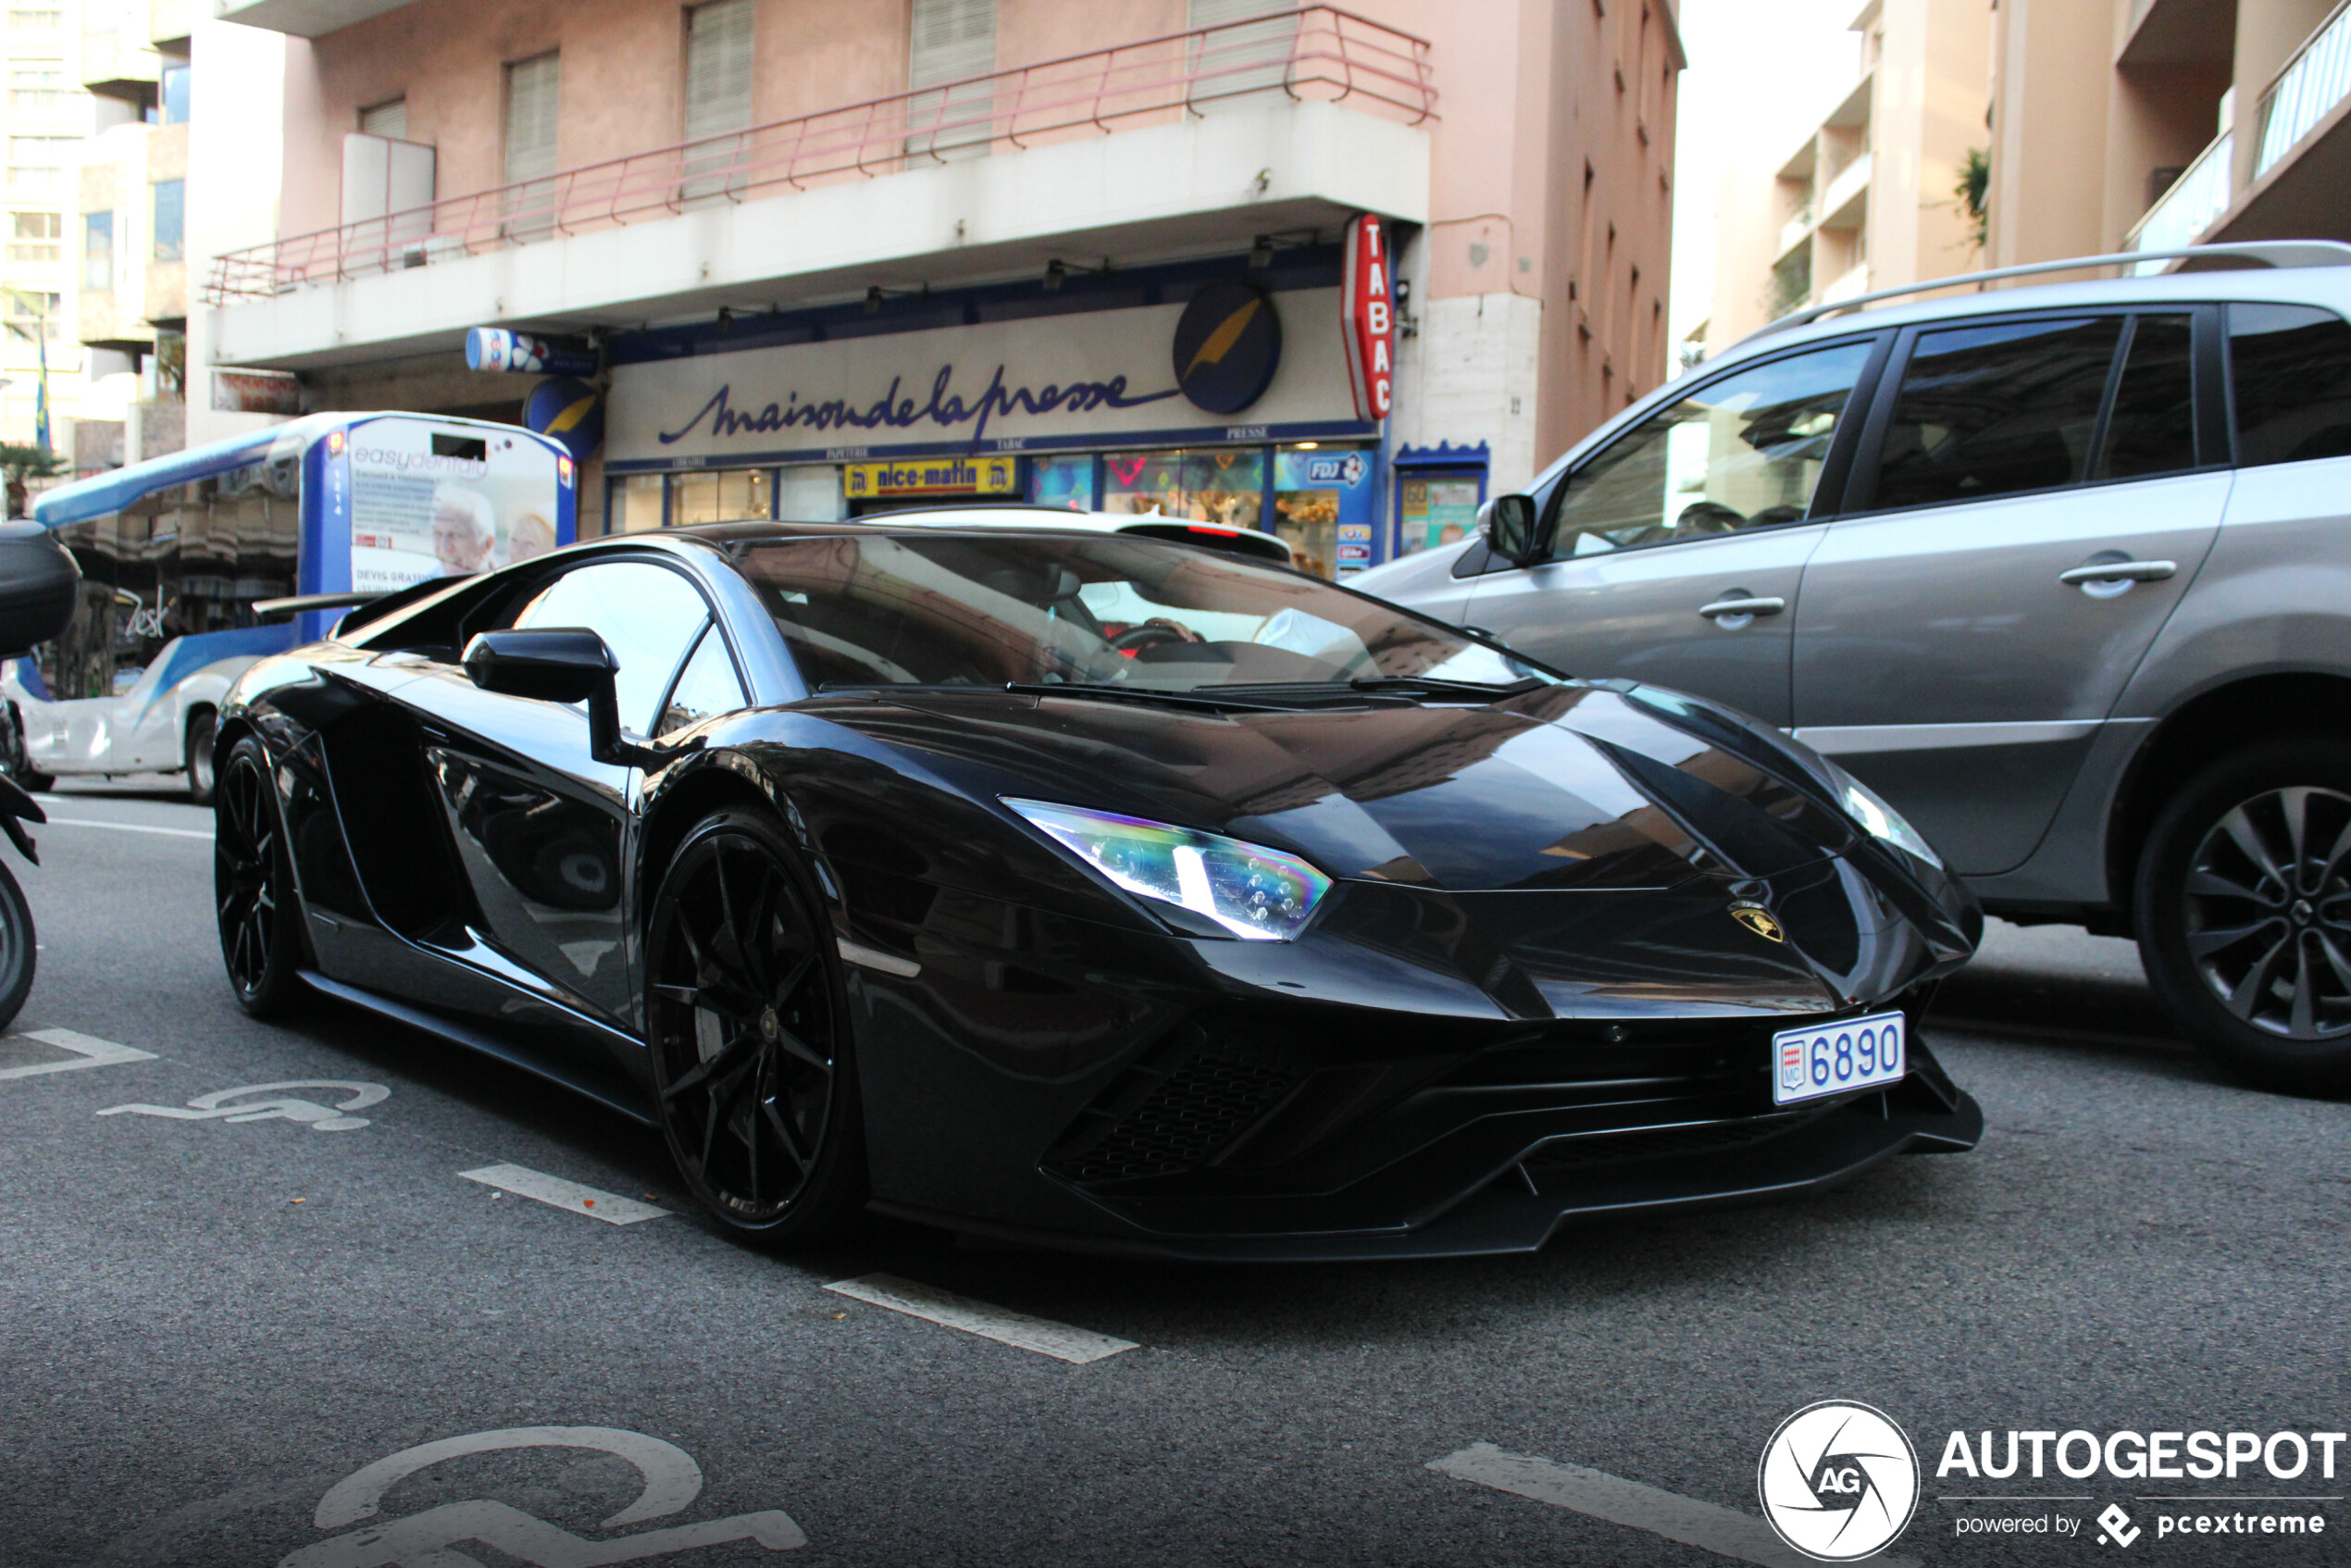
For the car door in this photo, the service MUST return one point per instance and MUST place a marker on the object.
(541, 826)
(2028, 508)
(1677, 550)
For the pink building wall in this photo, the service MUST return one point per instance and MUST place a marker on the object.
(1531, 92)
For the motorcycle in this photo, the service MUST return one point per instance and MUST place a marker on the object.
(40, 585)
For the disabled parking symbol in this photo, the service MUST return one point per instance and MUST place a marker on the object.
(233, 1106)
(429, 1539)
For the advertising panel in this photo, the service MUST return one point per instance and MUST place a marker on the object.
(1367, 318)
(931, 476)
(428, 502)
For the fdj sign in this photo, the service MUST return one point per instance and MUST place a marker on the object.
(1367, 316)
(942, 476)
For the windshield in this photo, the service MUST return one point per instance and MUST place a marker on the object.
(959, 610)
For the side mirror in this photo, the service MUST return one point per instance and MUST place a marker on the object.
(1507, 524)
(560, 665)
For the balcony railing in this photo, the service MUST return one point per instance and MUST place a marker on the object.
(1317, 53)
(2313, 82)
(2189, 207)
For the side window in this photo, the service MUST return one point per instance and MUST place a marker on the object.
(2290, 368)
(1997, 410)
(2152, 426)
(706, 687)
(647, 615)
(1741, 452)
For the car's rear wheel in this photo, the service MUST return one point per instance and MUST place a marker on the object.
(252, 886)
(749, 1029)
(2244, 911)
(201, 731)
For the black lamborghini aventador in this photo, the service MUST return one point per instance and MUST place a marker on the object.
(1087, 888)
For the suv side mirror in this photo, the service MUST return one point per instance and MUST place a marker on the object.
(560, 665)
(1507, 524)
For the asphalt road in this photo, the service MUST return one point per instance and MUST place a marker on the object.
(213, 1328)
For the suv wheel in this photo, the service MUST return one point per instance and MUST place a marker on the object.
(2243, 908)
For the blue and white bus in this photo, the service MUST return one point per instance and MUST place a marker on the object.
(176, 552)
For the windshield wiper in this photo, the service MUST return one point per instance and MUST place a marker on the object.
(1482, 692)
(1192, 698)
(1399, 688)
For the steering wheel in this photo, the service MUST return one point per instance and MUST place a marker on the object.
(1148, 634)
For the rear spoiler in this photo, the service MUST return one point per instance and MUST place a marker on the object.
(1236, 541)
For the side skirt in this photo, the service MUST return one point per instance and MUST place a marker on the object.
(488, 1045)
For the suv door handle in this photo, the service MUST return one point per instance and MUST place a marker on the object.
(2118, 571)
(1742, 607)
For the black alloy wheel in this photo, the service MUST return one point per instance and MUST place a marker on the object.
(2243, 908)
(201, 731)
(252, 887)
(749, 1032)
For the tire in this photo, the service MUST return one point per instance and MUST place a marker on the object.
(17, 948)
(754, 1076)
(201, 729)
(2243, 907)
(252, 886)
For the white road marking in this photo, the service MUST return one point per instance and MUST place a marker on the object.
(951, 1310)
(671, 1480)
(556, 1193)
(128, 828)
(1723, 1531)
(89, 1052)
(320, 1118)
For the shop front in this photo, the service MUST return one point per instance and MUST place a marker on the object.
(1214, 391)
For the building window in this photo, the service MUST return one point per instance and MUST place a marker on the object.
(717, 68)
(531, 90)
(33, 236)
(38, 86)
(953, 39)
(172, 91)
(35, 18)
(388, 120)
(170, 218)
(32, 315)
(37, 163)
(97, 250)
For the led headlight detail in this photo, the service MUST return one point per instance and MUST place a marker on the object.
(1864, 805)
(1252, 891)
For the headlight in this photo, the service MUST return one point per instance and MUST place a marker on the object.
(1249, 889)
(1864, 805)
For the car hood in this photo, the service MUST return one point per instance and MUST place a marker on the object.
(1569, 788)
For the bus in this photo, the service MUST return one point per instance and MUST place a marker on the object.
(176, 552)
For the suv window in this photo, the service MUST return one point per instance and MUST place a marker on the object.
(2151, 428)
(1997, 410)
(647, 615)
(1744, 451)
(2290, 368)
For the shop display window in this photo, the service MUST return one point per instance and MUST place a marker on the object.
(636, 503)
(1438, 509)
(1322, 506)
(1064, 482)
(724, 495)
(1219, 486)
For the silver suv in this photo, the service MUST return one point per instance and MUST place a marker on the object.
(2063, 572)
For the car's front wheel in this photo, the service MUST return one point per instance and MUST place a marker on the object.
(201, 731)
(2244, 912)
(252, 885)
(748, 1029)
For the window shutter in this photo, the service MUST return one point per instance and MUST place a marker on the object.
(388, 120)
(1215, 13)
(717, 68)
(953, 39)
(531, 87)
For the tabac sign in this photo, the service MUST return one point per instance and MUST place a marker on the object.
(931, 476)
(1367, 316)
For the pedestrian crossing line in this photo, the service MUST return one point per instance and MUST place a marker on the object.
(1059, 1340)
(568, 1196)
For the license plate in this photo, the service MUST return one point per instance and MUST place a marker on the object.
(1832, 1058)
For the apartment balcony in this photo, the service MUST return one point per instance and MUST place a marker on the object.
(1842, 201)
(1795, 231)
(1193, 144)
(302, 18)
(1852, 284)
(2183, 213)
